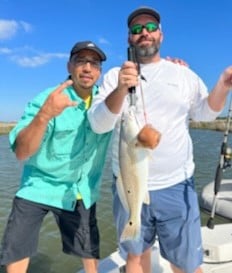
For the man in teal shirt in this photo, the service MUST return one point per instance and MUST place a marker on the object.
(63, 165)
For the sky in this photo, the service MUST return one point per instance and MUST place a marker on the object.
(37, 36)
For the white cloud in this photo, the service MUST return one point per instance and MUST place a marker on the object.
(26, 26)
(9, 28)
(104, 41)
(38, 60)
(5, 50)
(30, 61)
(29, 57)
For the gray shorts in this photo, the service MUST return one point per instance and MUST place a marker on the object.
(173, 215)
(79, 231)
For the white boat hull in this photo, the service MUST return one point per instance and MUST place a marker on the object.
(223, 200)
(217, 244)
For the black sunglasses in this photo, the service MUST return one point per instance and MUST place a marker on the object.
(81, 61)
(138, 28)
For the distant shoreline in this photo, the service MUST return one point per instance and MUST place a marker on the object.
(217, 125)
(5, 127)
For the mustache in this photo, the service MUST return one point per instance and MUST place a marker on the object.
(144, 38)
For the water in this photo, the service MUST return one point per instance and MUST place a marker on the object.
(50, 259)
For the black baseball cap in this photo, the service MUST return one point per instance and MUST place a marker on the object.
(143, 10)
(87, 45)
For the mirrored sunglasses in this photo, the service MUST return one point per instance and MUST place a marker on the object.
(138, 28)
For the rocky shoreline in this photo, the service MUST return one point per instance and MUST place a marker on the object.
(217, 125)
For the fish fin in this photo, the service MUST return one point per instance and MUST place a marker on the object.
(121, 193)
(146, 199)
(131, 231)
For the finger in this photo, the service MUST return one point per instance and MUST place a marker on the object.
(128, 64)
(72, 103)
(63, 85)
(129, 72)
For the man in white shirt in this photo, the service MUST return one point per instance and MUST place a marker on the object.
(170, 95)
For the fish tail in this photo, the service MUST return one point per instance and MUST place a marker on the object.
(131, 231)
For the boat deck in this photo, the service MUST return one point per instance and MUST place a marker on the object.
(217, 244)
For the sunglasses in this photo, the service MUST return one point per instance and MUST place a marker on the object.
(78, 61)
(138, 28)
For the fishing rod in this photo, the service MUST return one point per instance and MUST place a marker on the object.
(224, 163)
(131, 56)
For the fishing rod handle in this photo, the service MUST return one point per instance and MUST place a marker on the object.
(210, 223)
(132, 57)
(218, 179)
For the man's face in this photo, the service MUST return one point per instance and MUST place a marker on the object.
(145, 35)
(85, 68)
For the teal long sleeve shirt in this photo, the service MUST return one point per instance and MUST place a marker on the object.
(70, 159)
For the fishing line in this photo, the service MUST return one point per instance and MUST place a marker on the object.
(143, 101)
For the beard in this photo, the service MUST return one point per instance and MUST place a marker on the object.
(147, 51)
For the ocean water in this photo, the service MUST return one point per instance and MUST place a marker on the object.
(50, 259)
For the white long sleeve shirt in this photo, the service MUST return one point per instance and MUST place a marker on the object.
(172, 95)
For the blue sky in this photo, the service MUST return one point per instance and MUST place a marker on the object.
(36, 38)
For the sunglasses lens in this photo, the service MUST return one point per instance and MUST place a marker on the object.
(138, 28)
(78, 61)
(150, 27)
